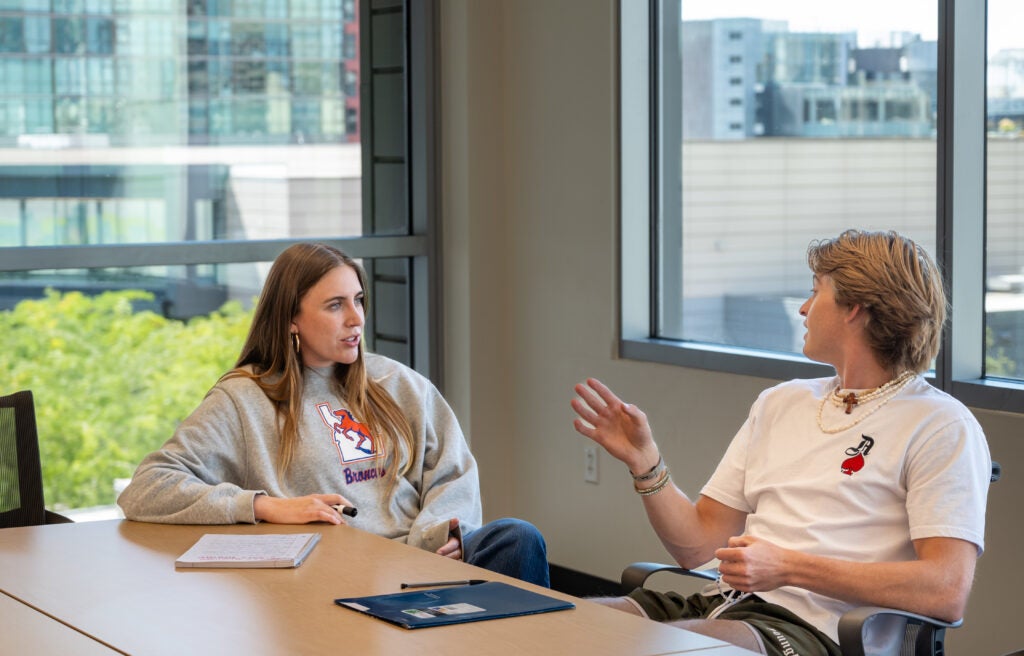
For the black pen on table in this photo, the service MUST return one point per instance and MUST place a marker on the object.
(345, 510)
(441, 584)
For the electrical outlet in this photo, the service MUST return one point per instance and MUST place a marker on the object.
(590, 463)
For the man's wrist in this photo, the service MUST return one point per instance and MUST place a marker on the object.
(647, 467)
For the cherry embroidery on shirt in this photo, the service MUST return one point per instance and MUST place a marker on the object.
(855, 463)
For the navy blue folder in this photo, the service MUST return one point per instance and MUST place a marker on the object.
(454, 605)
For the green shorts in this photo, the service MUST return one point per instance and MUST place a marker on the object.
(781, 632)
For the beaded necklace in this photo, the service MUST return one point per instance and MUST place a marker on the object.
(850, 399)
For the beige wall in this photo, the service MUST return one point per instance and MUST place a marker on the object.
(529, 229)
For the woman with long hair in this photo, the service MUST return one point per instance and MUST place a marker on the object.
(308, 423)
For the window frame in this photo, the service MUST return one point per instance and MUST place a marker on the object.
(960, 212)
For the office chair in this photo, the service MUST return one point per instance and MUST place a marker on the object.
(864, 631)
(21, 476)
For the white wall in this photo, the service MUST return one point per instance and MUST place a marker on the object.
(529, 229)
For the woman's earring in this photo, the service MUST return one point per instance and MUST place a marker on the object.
(296, 343)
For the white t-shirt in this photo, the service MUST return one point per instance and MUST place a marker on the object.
(917, 467)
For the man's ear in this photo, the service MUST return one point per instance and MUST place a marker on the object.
(857, 313)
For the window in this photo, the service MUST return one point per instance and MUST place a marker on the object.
(99, 36)
(846, 116)
(12, 35)
(825, 111)
(1004, 276)
(180, 166)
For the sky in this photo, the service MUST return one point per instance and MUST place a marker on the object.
(873, 20)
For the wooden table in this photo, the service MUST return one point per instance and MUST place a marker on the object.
(24, 630)
(113, 584)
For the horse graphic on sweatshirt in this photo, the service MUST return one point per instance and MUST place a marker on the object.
(351, 436)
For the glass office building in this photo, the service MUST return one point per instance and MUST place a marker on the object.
(153, 121)
(157, 73)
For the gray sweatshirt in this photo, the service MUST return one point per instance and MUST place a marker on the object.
(225, 453)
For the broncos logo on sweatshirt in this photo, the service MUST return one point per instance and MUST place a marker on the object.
(351, 436)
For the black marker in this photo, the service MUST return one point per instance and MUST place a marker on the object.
(438, 584)
(346, 510)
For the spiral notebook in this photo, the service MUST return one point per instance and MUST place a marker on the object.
(454, 605)
(249, 550)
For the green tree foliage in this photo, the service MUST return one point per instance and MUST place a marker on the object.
(997, 363)
(110, 383)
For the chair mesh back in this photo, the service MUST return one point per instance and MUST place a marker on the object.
(21, 477)
(10, 481)
(909, 647)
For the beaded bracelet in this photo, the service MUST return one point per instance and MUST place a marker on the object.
(663, 474)
(657, 487)
(651, 473)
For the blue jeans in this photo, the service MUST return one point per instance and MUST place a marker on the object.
(511, 547)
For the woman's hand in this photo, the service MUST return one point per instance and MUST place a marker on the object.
(453, 547)
(621, 428)
(299, 510)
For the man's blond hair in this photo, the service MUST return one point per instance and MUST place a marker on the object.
(898, 284)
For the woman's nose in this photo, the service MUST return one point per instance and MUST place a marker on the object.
(354, 317)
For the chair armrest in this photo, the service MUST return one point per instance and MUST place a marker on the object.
(56, 518)
(635, 575)
(881, 631)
